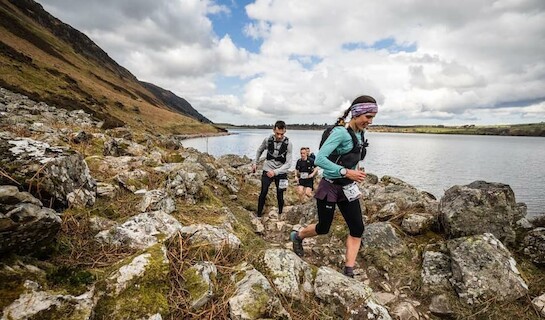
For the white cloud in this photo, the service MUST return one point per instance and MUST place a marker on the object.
(472, 58)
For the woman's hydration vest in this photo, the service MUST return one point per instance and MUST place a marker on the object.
(350, 159)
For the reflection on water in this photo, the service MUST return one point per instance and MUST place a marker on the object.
(429, 162)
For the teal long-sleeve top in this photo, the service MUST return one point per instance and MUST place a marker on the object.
(339, 141)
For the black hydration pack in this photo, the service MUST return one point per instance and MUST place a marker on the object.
(282, 152)
(350, 159)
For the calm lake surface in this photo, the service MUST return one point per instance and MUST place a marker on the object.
(430, 162)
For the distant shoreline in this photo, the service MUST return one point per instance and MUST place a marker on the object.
(529, 130)
(200, 135)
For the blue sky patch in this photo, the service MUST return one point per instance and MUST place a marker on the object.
(388, 44)
(233, 23)
(308, 62)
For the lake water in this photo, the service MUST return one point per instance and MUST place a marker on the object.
(430, 162)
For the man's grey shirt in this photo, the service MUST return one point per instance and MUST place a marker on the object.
(274, 165)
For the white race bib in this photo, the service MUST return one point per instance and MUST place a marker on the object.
(283, 184)
(352, 192)
(304, 175)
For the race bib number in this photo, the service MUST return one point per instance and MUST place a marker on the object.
(304, 175)
(283, 184)
(352, 192)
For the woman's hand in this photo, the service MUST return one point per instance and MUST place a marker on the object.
(355, 175)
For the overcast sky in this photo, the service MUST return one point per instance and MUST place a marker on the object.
(304, 61)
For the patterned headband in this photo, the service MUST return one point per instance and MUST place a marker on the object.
(362, 108)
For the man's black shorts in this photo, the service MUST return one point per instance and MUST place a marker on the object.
(308, 183)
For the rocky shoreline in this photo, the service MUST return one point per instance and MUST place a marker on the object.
(114, 224)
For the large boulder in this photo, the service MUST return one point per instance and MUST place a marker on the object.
(53, 174)
(482, 269)
(481, 207)
(25, 225)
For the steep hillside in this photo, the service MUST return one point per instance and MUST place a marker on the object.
(48, 60)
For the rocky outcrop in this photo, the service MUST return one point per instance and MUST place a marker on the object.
(481, 207)
(25, 225)
(52, 174)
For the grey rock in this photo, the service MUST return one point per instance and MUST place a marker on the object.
(53, 173)
(440, 305)
(26, 227)
(349, 298)
(290, 274)
(482, 268)
(255, 298)
(539, 304)
(382, 237)
(141, 231)
(216, 237)
(533, 245)
(200, 275)
(436, 271)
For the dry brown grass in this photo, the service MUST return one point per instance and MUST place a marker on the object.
(77, 247)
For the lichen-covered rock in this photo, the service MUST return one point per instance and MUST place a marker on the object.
(121, 147)
(381, 237)
(216, 237)
(229, 180)
(133, 180)
(533, 245)
(25, 226)
(106, 190)
(349, 298)
(198, 282)
(157, 200)
(539, 304)
(38, 304)
(482, 268)
(417, 223)
(303, 214)
(481, 207)
(141, 231)
(393, 197)
(436, 271)
(233, 160)
(290, 274)
(255, 299)
(50, 173)
(185, 179)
